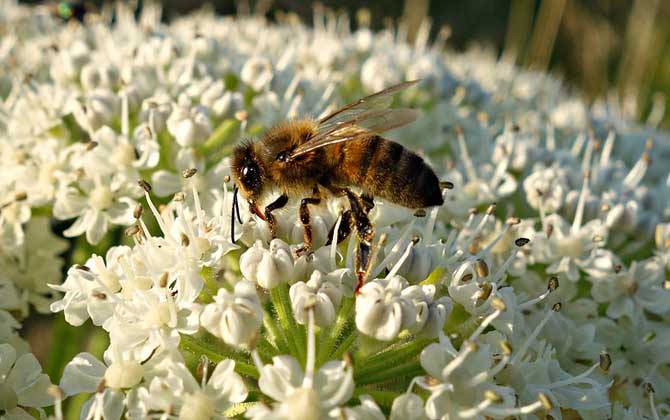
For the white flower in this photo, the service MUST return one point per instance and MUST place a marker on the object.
(235, 317)
(322, 292)
(188, 124)
(268, 267)
(382, 311)
(545, 188)
(96, 203)
(408, 406)
(178, 392)
(257, 72)
(283, 381)
(22, 383)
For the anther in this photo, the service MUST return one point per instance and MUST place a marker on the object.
(81, 267)
(448, 185)
(492, 396)
(179, 196)
(498, 304)
(618, 268)
(187, 173)
(184, 240)
(226, 179)
(553, 283)
(20, 196)
(482, 268)
(506, 347)
(557, 307)
(513, 221)
(420, 213)
(91, 145)
(521, 242)
(163, 280)
(132, 230)
(490, 209)
(144, 185)
(546, 402)
(137, 213)
(605, 361)
(648, 388)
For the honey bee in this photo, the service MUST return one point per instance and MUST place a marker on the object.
(314, 159)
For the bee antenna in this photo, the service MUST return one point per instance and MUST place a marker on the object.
(237, 210)
(232, 215)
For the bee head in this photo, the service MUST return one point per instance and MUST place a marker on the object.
(247, 172)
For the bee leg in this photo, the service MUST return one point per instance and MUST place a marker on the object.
(365, 232)
(306, 222)
(368, 202)
(346, 224)
(272, 221)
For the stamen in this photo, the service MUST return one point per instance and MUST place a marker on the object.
(476, 410)
(526, 344)
(257, 360)
(401, 260)
(638, 171)
(500, 273)
(480, 226)
(575, 379)
(467, 348)
(499, 306)
(649, 389)
(514, 411)
(465, 156)
(579, 213)
(333, 245)
(553, 285)
(607, 149)
(394, 252)
(578, 144)
(57, 394)
(311, 348)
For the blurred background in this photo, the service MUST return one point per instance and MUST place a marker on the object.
(615, 48)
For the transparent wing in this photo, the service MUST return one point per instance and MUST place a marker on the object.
(366, 115)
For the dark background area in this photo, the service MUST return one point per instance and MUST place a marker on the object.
(597, 46)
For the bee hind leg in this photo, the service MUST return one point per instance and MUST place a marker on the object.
(344, 230)
(365, 233)
(271, 219)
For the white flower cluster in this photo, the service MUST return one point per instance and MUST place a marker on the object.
(117, 132)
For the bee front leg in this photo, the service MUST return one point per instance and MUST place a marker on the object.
(272, 221)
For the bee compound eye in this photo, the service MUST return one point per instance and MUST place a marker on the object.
(282, 156)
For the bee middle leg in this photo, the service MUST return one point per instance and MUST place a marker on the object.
(305, 219)
(272, 221)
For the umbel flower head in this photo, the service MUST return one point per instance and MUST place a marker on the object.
(539, 289)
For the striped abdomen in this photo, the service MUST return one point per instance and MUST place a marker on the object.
(384, 168)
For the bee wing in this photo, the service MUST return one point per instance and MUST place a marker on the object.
(359, 118)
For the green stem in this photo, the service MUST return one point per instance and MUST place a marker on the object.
(408, 370)
(327, 344)
(192, 345)
(211, 288)
(277, 338)
(344, 346)
(393, 357)
(222, 135)
(265, 349)
(295, 335)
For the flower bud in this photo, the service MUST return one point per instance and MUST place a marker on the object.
(267, 267)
